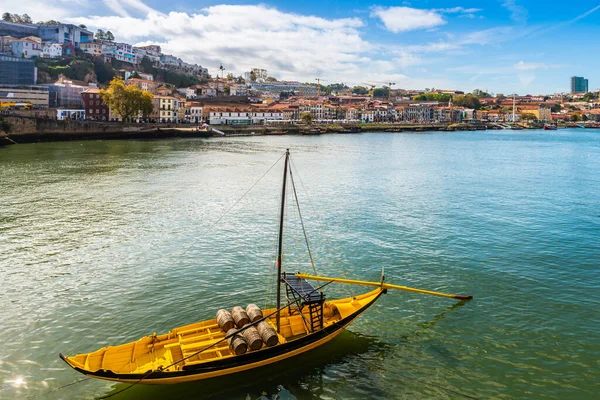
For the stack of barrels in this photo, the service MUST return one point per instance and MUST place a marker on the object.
(249, 335)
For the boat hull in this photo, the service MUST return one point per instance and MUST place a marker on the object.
(235, 364)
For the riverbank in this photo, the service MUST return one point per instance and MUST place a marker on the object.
(26, 129)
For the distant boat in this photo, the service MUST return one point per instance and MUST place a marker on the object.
(549, 127)
(315, 131)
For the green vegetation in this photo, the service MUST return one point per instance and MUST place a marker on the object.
(467, 100)
(575, 117)
(481, 93)
(101, 35)
(168, 76)
(528, 117)
(590, 96)
(127, 101)
(381, 92)
(306, 118)
(71, 67)
(442, 97)
(21, 19)
(360, 90)
(556, 108)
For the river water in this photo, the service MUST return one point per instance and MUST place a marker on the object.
(102, 242)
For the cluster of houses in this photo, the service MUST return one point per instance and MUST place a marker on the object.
(61, 40)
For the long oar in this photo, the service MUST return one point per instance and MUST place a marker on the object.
(383, 286)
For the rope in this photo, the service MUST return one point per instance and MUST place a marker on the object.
(208, 347)
(348, 288)
(312, 262)
(59, 388)
(202, 235)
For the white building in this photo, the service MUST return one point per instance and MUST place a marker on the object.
(260, 75)
(189, 92)
(243, 117)
(53, 50)
(26, 48)
(75, 114)
(65, 33)
(124, 52)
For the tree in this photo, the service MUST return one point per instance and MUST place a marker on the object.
(99, 35)
(284, 95)
(230, 77)
(252, 76)
(528, 117)
(360, 90)
(555, 108)
(584, 117)
(380, 92)
(575, 117)
(109, 36)
(481, 93)
(126, 101)
(306, 118)
(467, 100)
(82, 26)
(7, 17)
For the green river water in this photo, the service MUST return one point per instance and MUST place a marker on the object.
(102, 242)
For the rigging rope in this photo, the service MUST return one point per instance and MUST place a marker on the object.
(312, 262)
(133, 298)
(317, 215)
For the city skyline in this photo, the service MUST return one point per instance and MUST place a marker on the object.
(502, 47)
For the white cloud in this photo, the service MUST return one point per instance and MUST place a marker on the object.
(290, 46)
(402, 19)
(517, 13)
(529, 66)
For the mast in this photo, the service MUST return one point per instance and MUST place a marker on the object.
(280, 247)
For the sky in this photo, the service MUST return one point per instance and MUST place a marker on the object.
(500, 46)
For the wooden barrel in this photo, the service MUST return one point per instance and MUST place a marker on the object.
(225, 320)
(267, 333)
(237, 344)
(239, 316)
(253, 338)
(254, 312)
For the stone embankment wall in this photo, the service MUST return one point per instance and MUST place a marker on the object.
(31, 129)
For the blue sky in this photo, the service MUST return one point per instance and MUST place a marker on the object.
(503, 46)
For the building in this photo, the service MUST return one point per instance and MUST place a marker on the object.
(275, 88)
(37, 96)
(26, 48)
(124, 52)
(17, 71)
(65, 33)
(6, 44)
(95, 109)
(75, 114)
(165, 109)
(232, 116)
(307, 91)
(18, 30)
(418, 113)
(579, 84)
(143, 84)
(193, 113)
(66, 94)
(260, 75)
(142, 75)
(94, 48)
(53, 50)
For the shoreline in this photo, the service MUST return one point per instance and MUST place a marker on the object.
(39, 130)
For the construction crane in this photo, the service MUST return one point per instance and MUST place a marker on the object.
(372, 86)
(319, 85)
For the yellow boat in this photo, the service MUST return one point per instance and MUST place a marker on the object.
(203, 350)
